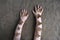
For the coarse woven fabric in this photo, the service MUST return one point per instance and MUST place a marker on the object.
(9, 17)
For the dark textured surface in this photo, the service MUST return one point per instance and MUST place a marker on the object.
(9, 16)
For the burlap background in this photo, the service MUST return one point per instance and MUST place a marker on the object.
(9, 16)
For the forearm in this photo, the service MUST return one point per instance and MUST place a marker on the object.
(38, 29)
(24, 15)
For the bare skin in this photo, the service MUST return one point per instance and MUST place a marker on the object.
(23, 17)
(38, 12)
